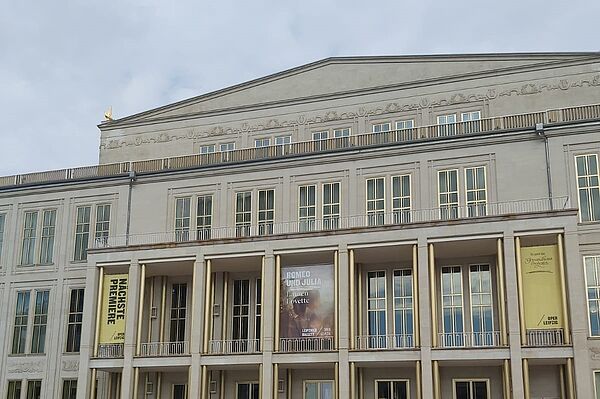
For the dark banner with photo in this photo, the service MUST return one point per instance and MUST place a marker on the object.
(307, 301)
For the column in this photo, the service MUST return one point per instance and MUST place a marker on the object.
(526, 392)
(133, 300)
(351, 301)
(140, 313)
(270, 283)
(501, 292)
(433, 296)
(208, 299)
(197, 326)
(344, 338)
(425, 317)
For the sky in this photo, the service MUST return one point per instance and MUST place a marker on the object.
(63, 63)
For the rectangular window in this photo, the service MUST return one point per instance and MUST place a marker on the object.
(592, 278)
(331, 205)
(29, 235)
(266, 211)
(20, 329)
(405, 130)
(382, 127)
(178, 312)
(82, 232)
(446, 125)
(241, 310)
(2, 222)
(344, 132)
(102, 223)
(318, 138)
(406, 124)
(258, 310)
(34, 389)
(69, 389)
(471, 389)
(283, 140)
(14, 390)
(226, 147)
(482, 316)
(597, 383)
(204, 217)
(182, 219)
(307, 208)
(448, 194)
(471, 121)
(401, 199)
(476, 192)
(179, 391)
(40, 321)
(75, 320)
(588, 187)
(392, 389)
(403, 308)
(318, 390)
(243, 213)
(452, 306)
(48, 230)
(376, 309)
(260, 143)
(207, 149)
(375, 201)
(248, 390)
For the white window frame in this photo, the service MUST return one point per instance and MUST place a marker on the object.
(446, 127)
(596, 260)
(319, 382)
(173, 390)
(185, 308)
(596, 387)
(331, 220)
(92, 226)
(41, 325)
(225, 147)
(342, 132)
(182, 231)
(470, 381)
(74, 319)
(403, 124)
(480, 206)
(262, 142)
(588, 188)
(265, 224)
(320, 135)
(378, 380)
(379, 127)
(250, 383)
(207, 149)
(243, 228)
(462, 306)
(491, 295)
(378, 214)
(283, 140)
(404, 338)
(308, 221)
(378, 342)
(203, 230)
(2, 230)
(470, 116)
(449, 205)
(398, 213)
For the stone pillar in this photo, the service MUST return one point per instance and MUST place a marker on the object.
(133, 299)
(343, 322)
(425, 318)
(197, 325)
(270, 308)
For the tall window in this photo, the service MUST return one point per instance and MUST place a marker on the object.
(482, 316)
(375, 201)
(34, 389)
(446, 125)
(243, 213)
(204, 217)
(21, 316)
(258, 310)
(401, 199)
(178, 312)
(307, 207)
(182, 219)
(179, 391)
(2, 221)
(376, 309)
(476, 191)
(266, 211)
(40, 320)
(248, 390)
(82, 232)
(69, 389)
(448, 193)
(207, 149)
(471, 389)
(75, 320)
(29, 236)
(592, 274)
(102, 223)
(48, 227)
(392, 389)
(331, 205)
(14, 390)
(452, 306)
(597, 384)
(260, 143)
(588, 187)
(403, 308)
(318, 390)
(241, 309)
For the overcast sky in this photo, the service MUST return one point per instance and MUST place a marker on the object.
(62, 63)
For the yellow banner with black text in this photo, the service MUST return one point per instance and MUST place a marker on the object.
(114, 309)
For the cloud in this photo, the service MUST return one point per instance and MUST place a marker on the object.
(62, 64)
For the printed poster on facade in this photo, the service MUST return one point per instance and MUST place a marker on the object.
(541, 287)
(307, 301)
(114, 308)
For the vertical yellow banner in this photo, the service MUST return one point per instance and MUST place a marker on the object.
(114, 309)
(541, 287)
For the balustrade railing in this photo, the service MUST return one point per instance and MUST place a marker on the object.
(541, 338)
(469, 339)
(381, 342)
(518, 121)
(110, 351)
(233, 346)
(156, 349)
(374, 219)
(308, 344)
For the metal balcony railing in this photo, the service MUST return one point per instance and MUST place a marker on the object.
(488, 125)
(233, 346)
(374, 219)
(469, 339)
(110, 351)
(157, 349)
(541, 338)
(387, 342)
(312, 344)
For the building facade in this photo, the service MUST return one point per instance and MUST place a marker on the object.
(366, 227)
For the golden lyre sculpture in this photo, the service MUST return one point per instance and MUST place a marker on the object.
(108, 114)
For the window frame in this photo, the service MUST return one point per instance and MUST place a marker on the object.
(206, 149)
(72, 290)
(470, 381)
(17, 388)
(596, 287)
(319, 382)
(392, 380)
(68, 384)
(3, 217)
(24, 340)
(471, 307)
(398, 213)
(34, 383)
(250, 384)
(449, 205)
(310, 221)
(462, 306)
(243, 228)
(385, 306)
(404, 309)
(38, 237)
(42, 327)
(475, 203)
(265, 224)
(91, 233)
(178, 309)
(377, 213)
(262, 141)
(332, 218)
(588, 188)
(227, 145)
